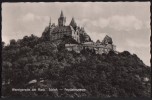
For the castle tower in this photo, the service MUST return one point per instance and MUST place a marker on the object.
(61, 20)
(73, 23)
(107, 40)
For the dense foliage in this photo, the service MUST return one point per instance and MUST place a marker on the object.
(51, 66)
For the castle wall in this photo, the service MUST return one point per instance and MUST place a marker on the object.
(59, 35)
(74, 47)
(75, 35)
(99, 49)
(59, 31)
(70, 32)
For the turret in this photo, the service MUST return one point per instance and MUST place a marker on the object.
(73, 23)
(107, 40)
(98, 41)
(61, 20)
(50, 22)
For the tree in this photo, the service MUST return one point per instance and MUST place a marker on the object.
(3, 44)
(106, 75)
(125, 53)
(12, 42)
(48, 49)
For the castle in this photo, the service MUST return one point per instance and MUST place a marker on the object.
(56, 32)
(53, 32)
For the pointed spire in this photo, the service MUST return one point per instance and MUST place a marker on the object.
(73, 20)
(73, 23)
(50, 22)
(61, 15)
(62, 19)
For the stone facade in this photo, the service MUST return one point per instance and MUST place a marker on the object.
(99, 47)
(75, 47)
(57, 32)
(54, 32)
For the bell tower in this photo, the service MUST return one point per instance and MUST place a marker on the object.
(61, 20)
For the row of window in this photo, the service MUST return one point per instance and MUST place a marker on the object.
(61, 30)
(57, 36)
(76, 33)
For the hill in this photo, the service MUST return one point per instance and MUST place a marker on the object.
(35, 63)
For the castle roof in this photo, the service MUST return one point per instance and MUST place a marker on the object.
(73, 23)
(86, 35)
(46, 29)
(98, 41)
(107, 39)
(62, 29)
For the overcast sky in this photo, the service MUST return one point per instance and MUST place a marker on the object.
(128, 23)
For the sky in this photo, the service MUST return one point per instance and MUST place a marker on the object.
(128, 23)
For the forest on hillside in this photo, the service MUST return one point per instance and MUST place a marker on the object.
(52, 66)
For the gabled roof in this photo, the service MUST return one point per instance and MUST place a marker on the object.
(107, 39)
(73, 23)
